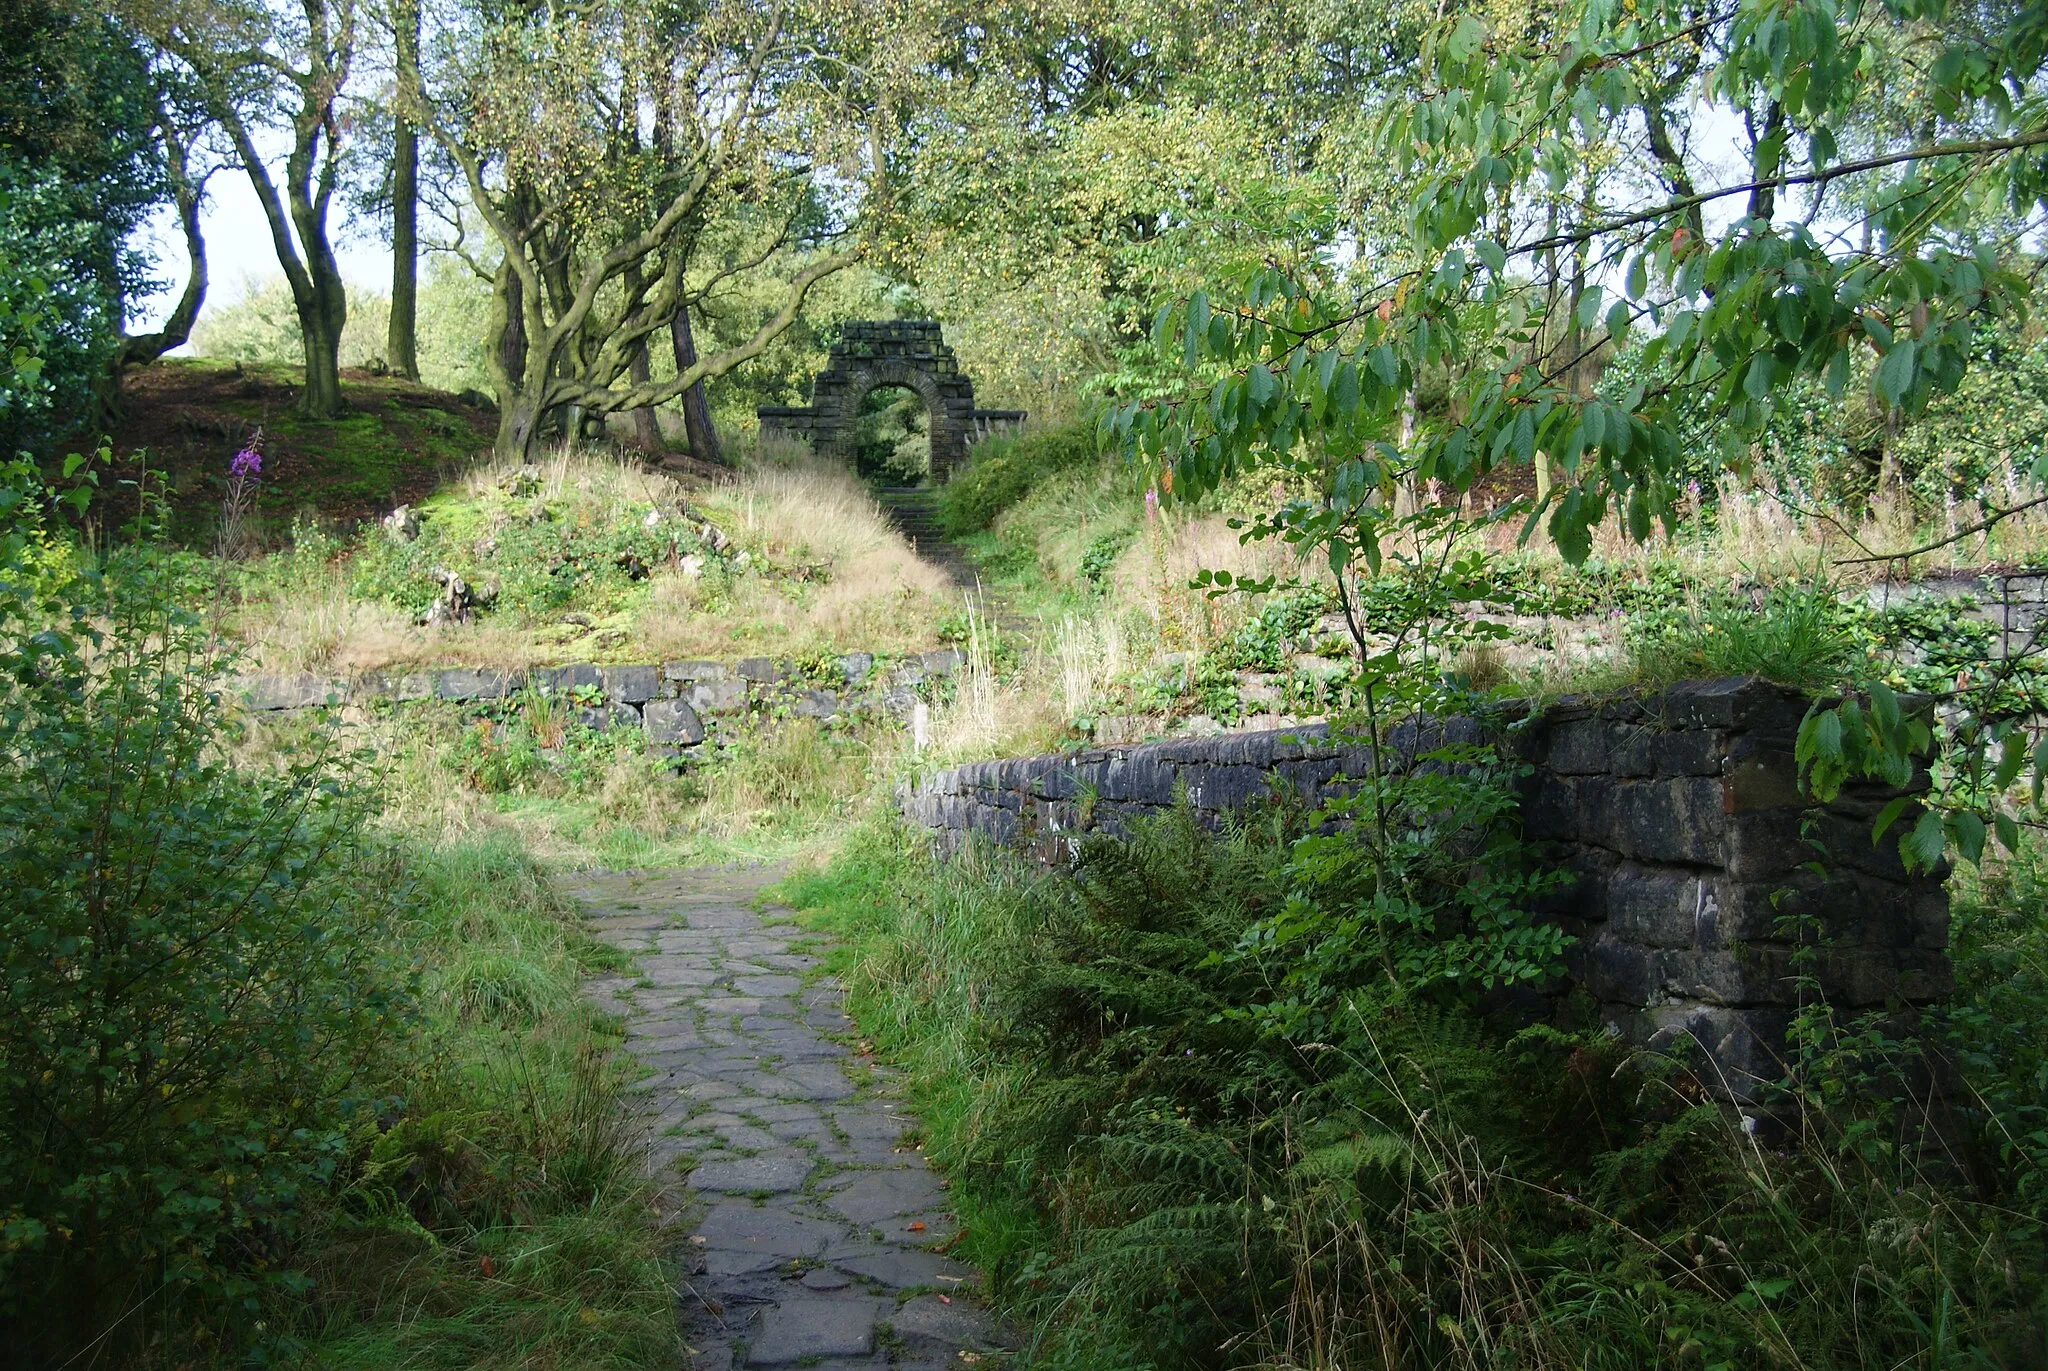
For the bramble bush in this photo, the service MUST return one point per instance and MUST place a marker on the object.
(195, 995)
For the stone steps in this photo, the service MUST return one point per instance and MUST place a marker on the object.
(914, 510)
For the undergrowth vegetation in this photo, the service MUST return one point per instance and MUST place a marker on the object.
(1180, 1138)
(281, 1075)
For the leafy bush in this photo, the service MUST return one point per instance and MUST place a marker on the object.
(1797, 634)
(523, 554)
(197, 993)
(1004, 470)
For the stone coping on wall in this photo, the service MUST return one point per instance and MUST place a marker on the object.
(670, 700)
(1708, 895)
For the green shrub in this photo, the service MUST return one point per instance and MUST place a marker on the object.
(1004, 470)
(1797, 634)
(194, 996)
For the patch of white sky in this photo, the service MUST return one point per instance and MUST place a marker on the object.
(240, 255)
(1716, 146)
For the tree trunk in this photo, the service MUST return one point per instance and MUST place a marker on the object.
(321, 397)
(140, 349)
(703, 437)
(646, 425)
(518, 429)
(511, 351)
(401, 345)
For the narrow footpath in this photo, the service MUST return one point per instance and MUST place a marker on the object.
(814, 1233)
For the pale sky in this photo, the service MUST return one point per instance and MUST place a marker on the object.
(239, 251)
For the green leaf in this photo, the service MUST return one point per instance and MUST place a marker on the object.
(2008, 830)
(1467, 37)
(1491, 253)
(1385, 365)
(1888, 816)
(1884, 705)
(1589, 306)
(1969, 835)
(1895, 374)
(1922, 848)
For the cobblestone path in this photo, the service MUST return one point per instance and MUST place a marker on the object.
(812, 1228)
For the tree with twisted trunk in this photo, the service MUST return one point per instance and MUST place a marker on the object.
(254, 65)
(601, 147)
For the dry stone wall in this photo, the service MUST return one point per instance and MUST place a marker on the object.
(1708, 897)
(672, 701)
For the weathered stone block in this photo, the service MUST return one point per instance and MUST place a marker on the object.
(1632, 749)
(567, 678)
(673, 722)
(814, 704)
(632, 685)
(1578, 748)
(1675, 820)
(1223, 789)
(1661, 906)
(762, 670)
(727, 696)
(944, 662)
(1616, 970)
(1765, 844)
(609, 716)
(695, 671)
(303, 691)
(464, 683)
(1739, 1051)
(1761, 778)
(856, 665)
(1930, 919)
(1739, 702)
(1142, 777)
(1689, 752)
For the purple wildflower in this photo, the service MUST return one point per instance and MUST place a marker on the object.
(245, 464)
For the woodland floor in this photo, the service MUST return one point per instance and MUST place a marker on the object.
(394, 443)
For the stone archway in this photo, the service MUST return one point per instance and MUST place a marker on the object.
(871, 355)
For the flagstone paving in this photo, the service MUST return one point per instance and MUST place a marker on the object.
(815, 1235)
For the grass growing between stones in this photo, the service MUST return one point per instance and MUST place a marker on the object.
(1169, 1151)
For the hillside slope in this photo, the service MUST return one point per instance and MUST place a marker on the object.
(396, 442)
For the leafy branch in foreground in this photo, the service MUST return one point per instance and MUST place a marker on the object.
(1553, 216)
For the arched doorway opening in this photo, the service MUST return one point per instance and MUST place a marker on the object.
(896, 353)
(892, 438)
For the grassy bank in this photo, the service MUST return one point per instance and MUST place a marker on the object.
(587, 556)
(1172, 1147)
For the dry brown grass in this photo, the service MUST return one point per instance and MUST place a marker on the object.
(865, 588)
(874, 593)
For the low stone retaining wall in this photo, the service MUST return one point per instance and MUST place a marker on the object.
(1696, 911)
(670, 700)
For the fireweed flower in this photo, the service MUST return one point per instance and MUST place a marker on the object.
(245, 464)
